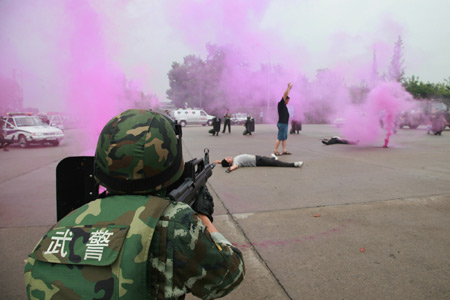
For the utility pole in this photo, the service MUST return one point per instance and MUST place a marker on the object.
(268, 78)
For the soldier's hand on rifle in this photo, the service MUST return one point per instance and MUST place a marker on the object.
(204, 204)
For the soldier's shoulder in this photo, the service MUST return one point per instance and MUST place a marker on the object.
(179, 212)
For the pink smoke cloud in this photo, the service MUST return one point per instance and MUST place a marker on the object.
(87, 44)
(65, 48)
(92, 87)
(383, 104)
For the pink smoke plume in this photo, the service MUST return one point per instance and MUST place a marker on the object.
(66, 47)
(383, 104)
(260, 60)
(92, 88)
(221, 21)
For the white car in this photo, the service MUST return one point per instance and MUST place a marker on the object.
(190, 116)
(339, 122)
(52, 120)
(239, 118)
(25, 130)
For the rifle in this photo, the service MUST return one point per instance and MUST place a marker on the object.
(196, 173)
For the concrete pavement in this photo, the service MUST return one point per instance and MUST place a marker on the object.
(353, 223)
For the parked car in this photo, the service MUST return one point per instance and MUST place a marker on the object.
(192, 116)
(27, 129)
(420, 114)
(339, 122)
(239, 118)
(52, 120)
(412, 119)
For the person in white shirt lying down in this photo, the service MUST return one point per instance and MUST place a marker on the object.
(249, 160)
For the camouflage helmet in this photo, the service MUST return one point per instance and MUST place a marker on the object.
(139, 152)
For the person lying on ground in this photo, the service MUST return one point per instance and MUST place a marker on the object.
(249, 160)
(338, 140)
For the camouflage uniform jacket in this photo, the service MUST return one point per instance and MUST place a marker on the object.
(109, 250)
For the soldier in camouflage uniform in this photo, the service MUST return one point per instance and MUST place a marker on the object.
(135, 243)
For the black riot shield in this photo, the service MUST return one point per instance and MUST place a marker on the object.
(216, 124)
(296, 126)
(75, 184)
(251, 125)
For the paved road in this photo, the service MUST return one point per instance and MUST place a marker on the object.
(353, 223)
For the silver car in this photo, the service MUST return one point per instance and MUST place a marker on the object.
(26, 130)
(239, 118)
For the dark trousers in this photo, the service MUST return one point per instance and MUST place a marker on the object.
(4, 145)
(227, 123)
(3, 142)
(264, 161)
(213, 132)
(335, 141)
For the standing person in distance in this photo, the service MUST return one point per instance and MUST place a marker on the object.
(227, 121)
(3, 142)
(135, 243)
(283, 123)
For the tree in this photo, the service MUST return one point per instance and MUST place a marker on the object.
(421, 90)
(186, 82)
(396, 71)
(358, 93)
(443, 92)
(374, 70)
(11, 96)
(199, 83)
(418, 89)
(132, 96)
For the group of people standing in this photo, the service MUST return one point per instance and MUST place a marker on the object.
(249, 160)
(249, 125)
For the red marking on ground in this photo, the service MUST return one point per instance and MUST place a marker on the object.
(294, 240)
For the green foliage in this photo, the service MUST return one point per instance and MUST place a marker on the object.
(421, 90)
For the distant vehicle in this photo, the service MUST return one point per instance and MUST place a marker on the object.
(412, 119)
(446, 115)
(339, 122)
(436, 106)
(54, 120)
(239, 118)
(421, 114)
(27, 129)
(192, 116)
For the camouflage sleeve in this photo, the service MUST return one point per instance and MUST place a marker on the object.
(185, 258)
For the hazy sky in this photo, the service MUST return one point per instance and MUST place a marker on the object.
(142, 38)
